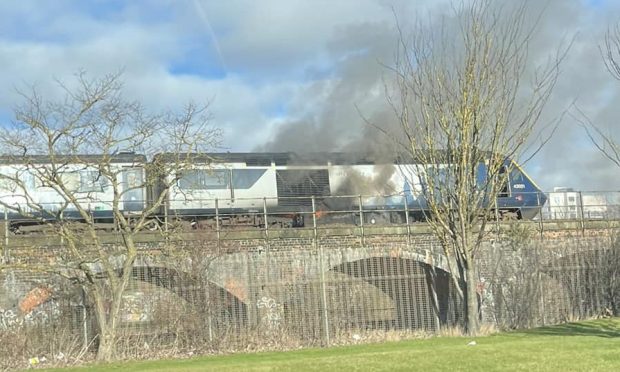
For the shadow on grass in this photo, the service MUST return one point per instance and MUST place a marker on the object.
(601, 328)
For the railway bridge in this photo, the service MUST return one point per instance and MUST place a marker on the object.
(335, 280)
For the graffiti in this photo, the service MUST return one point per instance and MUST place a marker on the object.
(34, 298)
(36, 307)
(272, 311)
(42, 314)
(137, 307)
(9, 319)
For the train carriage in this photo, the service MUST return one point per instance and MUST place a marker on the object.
(283, 184)
(26, 198)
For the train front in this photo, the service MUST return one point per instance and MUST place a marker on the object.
(520, 194)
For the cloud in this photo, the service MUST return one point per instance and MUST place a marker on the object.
(293, 74)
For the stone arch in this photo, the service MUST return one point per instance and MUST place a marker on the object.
(588, 277)
(422, 296)
(202, 296)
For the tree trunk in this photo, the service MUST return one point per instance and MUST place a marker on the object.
(105, 352)
(108, 315)
(472, 319)
(107, 333)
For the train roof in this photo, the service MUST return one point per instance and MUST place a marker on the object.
(279, 158)
(290, 158)
(122, 157)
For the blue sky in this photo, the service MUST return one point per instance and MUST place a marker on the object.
(288, 74)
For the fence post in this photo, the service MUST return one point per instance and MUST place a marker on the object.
(267, 245)
(583, 224)
(540, 220)
(6, 236)
(541, 288)
(217, 223)
(407, 221)
(208, 309)
(62, 236)
(361, 211)
(433, 285)
(266, 223)
(166, 218)
(319, 250)
(85, 320)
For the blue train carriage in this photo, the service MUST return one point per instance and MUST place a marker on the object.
(402, 189)
(519, 197)
(81, 175)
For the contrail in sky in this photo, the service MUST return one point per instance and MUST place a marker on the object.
(203, 15)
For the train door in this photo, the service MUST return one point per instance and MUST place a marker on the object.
(132, 181)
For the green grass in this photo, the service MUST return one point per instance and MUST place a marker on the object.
(585, 346)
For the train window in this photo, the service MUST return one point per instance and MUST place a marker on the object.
(504, 190)
(246, 178)
(91, 181)
(14, 182)
(204, 179)
(70, 180)
(516, 176)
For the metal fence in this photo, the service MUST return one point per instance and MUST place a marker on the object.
(322, 211)
(307, 296)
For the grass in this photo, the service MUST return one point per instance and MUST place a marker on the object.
(584, 346)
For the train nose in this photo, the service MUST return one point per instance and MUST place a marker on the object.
(542, 199)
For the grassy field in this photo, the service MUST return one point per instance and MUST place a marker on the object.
(585, 346)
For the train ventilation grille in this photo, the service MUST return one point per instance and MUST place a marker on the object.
(295, 187)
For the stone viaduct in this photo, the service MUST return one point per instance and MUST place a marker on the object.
(402, 270)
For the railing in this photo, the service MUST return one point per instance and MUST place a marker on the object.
(315, 213)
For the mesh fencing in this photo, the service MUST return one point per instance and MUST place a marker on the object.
(294, 290)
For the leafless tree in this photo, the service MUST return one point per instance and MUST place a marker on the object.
(464, 110)
(606, 143)
(92, 140)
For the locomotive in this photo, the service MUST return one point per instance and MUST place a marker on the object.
(243, 188)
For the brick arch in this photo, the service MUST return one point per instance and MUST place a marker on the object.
(582, 276)
(423, 296)
(194, 291)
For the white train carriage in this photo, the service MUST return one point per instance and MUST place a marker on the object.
(242, 185)
(230, 187)
(26, 198)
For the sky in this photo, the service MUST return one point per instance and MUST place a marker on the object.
(297, 75)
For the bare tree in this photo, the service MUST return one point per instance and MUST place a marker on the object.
(608, 145)
(64, 155)
(605, 142)
(465, 113)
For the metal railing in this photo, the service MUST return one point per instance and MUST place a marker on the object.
(362, 211)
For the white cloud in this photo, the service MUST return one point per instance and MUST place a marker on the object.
(286, 70)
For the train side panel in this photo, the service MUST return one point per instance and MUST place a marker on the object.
(235, 186)
(93, 191)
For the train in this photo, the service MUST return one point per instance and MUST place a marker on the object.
(243, 188)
